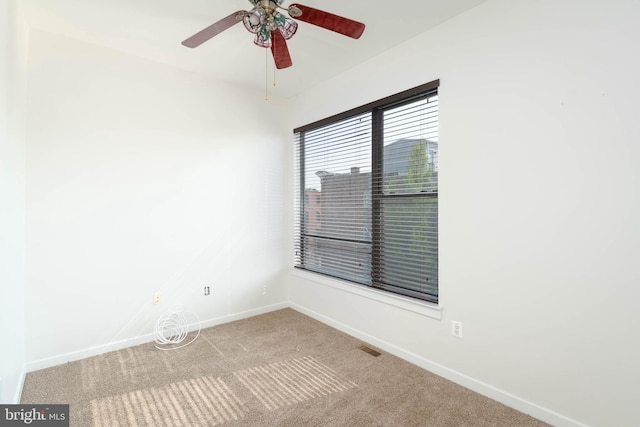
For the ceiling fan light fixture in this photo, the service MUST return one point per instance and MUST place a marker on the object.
(286, 25)
(263, 37)
(254, 20)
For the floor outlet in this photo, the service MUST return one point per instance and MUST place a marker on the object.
(456, 329)
(157, 298)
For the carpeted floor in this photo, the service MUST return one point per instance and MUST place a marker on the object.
(278, 369)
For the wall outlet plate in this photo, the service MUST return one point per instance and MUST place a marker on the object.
(456, 329)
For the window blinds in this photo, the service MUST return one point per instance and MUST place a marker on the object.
(335, 238)
(367, 195)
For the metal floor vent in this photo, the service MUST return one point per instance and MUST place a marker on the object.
(370, 351)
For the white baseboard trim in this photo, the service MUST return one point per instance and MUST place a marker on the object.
(485, 389)
(142, 339)
(244, 314)
(18, 393)
(73, 356)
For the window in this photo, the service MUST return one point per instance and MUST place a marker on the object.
(367, 194)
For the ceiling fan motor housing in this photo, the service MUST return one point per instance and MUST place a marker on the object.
(268, 6)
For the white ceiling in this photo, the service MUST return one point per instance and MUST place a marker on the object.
(153, 29)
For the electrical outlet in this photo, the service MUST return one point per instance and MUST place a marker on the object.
(456, 329)
(157, 298)
(207, 290)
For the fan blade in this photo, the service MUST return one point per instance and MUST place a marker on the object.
(280, 50)
(214, 29)
(344, 26)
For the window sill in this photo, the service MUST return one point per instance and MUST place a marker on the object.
(420, 307)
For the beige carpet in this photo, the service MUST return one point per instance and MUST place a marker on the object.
(277, 369)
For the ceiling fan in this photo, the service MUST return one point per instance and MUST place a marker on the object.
(272, 29)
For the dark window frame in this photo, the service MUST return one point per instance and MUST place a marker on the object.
(378, 195)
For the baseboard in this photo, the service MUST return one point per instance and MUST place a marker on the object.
(14, 384)
(18, 393)
(243, 315)
(142, 339)
(504, 397)
(73, 356)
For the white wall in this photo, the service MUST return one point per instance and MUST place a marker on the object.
(539, 237)
(13, 40)
(142, 178)
(12, 199)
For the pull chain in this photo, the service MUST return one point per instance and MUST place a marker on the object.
(266, 75)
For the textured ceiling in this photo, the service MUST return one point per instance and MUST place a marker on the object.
(153, 29)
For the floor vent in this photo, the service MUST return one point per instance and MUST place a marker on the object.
(370, 351)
